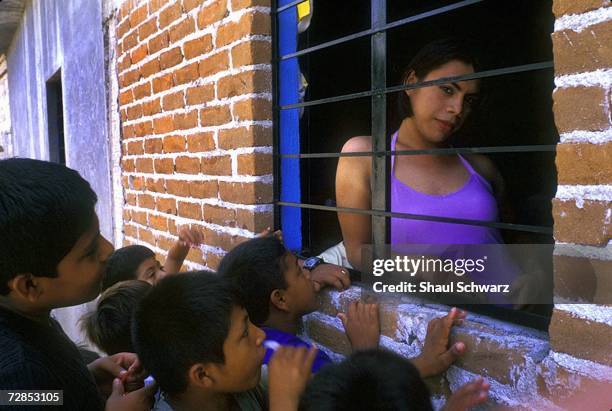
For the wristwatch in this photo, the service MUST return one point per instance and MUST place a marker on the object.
(312, 262)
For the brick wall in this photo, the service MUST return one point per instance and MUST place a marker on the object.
(194, 91)
(571, 366)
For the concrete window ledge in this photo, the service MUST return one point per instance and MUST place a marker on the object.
(524, 373)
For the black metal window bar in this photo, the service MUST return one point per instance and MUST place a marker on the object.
(377, 93)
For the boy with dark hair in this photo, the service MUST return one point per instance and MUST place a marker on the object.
(137, 262)
(195, 338)
(380, 380)
(52, 255)
(277, 293)
(109, 326)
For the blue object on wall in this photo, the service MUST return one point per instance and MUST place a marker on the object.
(289, 126)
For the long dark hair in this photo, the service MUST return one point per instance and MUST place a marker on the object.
(432, 56)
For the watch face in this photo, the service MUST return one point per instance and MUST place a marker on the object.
(312, 262)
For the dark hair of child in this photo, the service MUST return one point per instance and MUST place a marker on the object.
(123, 264)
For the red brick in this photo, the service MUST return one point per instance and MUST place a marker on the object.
(173, 101)
(200, 142)
(140, 217)
(580, 108)
(214, 64)
(243, 4)
(218, 165)
(163, 125)
(143, 128)
(144, 165)
(197, 256)
(130, 41)
(189, 5)
(164, 166)
(184, 121)
(134, 112)
(137, 183)
(257, 81)
(130, 231)
(253, 136)
(245, 193)
(252, 52)
(584, 163)
(159, 42)
(128, 165)
(151, 107)
(162, 83)
(146, 236)
(253, 109)
(122, 28)
(190, 210)
(249, 24)
(134, 148)
(201, 94)
(203, 189)
(196, 47)
(215, 116)
(123, 63)
(123, 115)
(587, 50)
(166, 205)
(146, 201)
(138, 16)
(561, 7)
(170, 58)
(174, 144)
(126, 97)
(127, 131)
(255, 164)
(186, 74)
(253, 221)
(177, 187)
(147, 29)
(169, 14)
(589, 224)
(153, 145)
(182, 29)
(155, 5)
(150, 68)
(212, 13)
(187, 165)
(129, 78)
(155, 185)
(141, 91)
(219, 215)
(139, 53)
(158, 222)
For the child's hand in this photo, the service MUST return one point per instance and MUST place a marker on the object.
(289, 371)
(124, 366)
(141, 399)
(362, 325)
(190, 237)
(436, 357)
(468, 395)
(330, 275)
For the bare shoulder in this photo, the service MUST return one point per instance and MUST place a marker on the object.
(484, 166)
(357, 144)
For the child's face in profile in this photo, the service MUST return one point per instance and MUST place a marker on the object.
(300, 292)
(244, 354)
(151, 271)
(80, 272)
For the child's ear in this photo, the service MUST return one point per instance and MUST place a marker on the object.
(410, 79)
(278, 299)
(200, 375)
(26, 286)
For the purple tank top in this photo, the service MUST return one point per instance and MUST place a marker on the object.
(474, 201)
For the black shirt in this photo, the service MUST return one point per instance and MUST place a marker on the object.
(35, 356)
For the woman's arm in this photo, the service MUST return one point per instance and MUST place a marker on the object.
(353, 191)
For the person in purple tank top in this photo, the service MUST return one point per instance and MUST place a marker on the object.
(465, 187)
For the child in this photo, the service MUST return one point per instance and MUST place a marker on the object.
(52, 255)
(195, 338)
(383, 381)
(277, 293)
(109, 326)
(137, 262)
